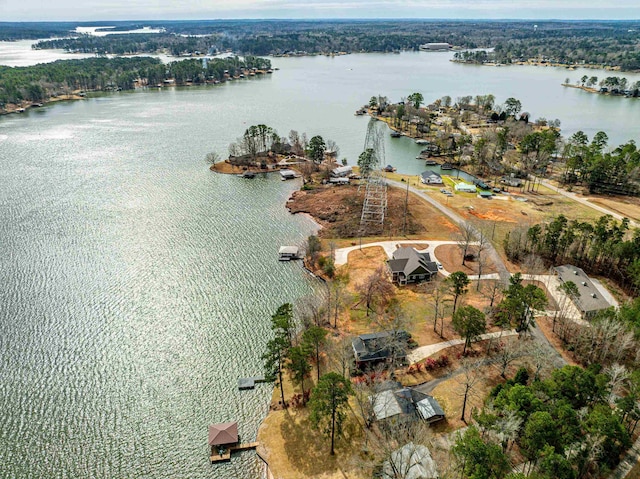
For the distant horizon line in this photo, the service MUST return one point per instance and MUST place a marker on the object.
(332, 19)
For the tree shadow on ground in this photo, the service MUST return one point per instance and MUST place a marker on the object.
(308, 448)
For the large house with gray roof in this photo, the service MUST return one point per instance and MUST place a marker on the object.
(395, 403)
(409, 266)
(590, 300)
(373, 348)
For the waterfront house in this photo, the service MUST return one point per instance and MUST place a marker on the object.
(430, 178)
(409, 266)
(465, 187)
(339, 181)
(341, 171)
(374, 348)
(435, 47)
(590, 301)
(511, 181)
(393, 403)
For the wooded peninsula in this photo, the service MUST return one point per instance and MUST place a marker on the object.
(22, 86)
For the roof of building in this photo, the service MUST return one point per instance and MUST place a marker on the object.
(429, 408)
(224, 433)
(590, 297)
(288, 250)
(411, 461)
(341, 170)
(465, 187)
(396, 400)
(287, 173)
(408, 261)
(429, 173)
(390, 403)
(375, 346)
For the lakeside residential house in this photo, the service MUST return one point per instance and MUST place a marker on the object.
(435, 47)
(465, 187)
(409, 266)
(411, 461)
(341, 171)
(374, 348)
(590, 301)
(397, 404)
(511, 181)
(430, 178)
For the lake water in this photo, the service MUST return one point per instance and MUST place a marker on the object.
(137, 286)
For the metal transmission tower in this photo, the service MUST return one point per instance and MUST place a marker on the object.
(375, 198)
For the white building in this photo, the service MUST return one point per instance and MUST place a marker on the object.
(435, 47)
(430, 178)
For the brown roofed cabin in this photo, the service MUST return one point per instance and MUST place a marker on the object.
(223, 436)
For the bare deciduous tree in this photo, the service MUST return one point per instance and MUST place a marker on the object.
(339, 297)
(376, 291)
(465, 238)
(438, 300)
(340, 353)
(311, 310)
(483, 244)
(510, 352)
(468, 381)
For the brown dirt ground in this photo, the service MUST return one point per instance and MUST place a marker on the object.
(448, 394)
(294, 449)
(627, 206)
(450, 255)
(634, 473)
(338, 210)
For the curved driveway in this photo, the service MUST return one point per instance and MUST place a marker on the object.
(495, 257)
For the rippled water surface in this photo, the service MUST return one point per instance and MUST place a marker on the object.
(137, 286)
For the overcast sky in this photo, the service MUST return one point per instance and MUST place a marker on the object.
(87, 10)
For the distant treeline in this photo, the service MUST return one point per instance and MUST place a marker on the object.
(40, 82)
(605, 43)
(10, 31)
(612, 44)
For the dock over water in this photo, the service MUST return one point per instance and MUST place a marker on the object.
(249, 383)
(226, 455)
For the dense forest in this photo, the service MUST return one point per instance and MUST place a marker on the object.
(602, 43)
(564, 426)
(600, 169)
(40, 82)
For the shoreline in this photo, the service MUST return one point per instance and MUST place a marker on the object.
(595, 90)
(11, 108)
(568, 66)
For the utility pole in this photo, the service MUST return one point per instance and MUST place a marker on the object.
(406, 205)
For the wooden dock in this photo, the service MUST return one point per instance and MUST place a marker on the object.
(226, 456)
(249, 383)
